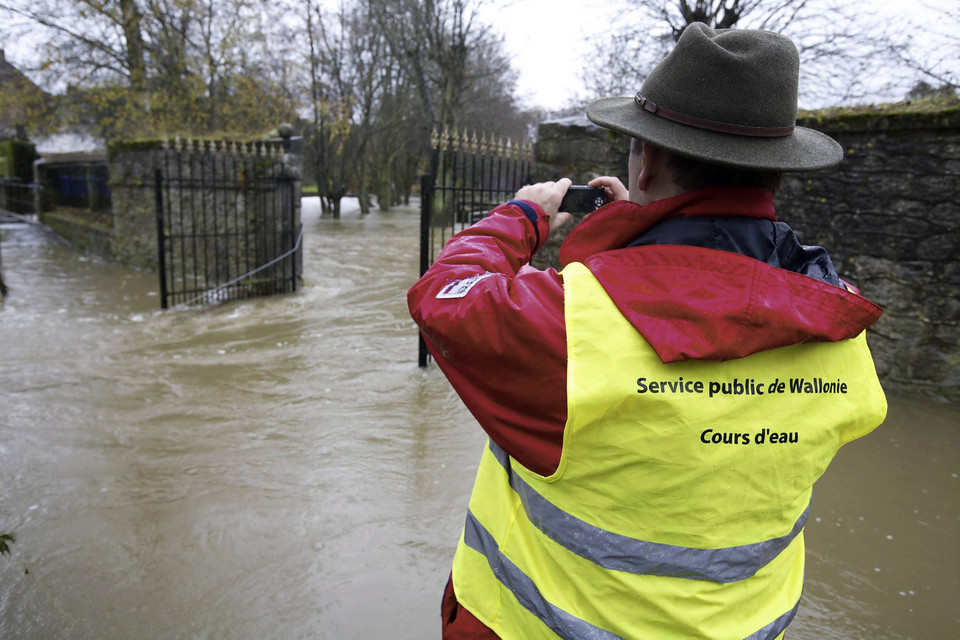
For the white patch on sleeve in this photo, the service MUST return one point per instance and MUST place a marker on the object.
(460, 288)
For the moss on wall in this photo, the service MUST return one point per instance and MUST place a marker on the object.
(86, 235)
(16, 159)
(900, 116)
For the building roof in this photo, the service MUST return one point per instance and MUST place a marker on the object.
(9, 73)
(16, 88)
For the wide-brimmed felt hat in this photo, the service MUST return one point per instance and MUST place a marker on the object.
(725, 96)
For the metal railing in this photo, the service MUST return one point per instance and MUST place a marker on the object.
(228, 223)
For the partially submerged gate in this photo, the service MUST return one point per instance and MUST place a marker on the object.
(228, 222)
(469, 176)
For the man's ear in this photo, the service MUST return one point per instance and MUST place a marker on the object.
(649, 155)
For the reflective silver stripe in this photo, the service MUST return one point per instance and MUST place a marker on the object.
(621, 553)
(776, 627)
(562, 623)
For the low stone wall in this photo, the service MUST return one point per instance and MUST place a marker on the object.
(127, 232)
(889, 214)
(86, 235)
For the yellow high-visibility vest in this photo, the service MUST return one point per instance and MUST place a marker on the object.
(678, 506)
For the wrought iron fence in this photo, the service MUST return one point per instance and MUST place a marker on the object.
(468, 177)
(228, 222)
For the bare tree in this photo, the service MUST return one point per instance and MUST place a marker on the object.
(490, 98)
(934, 60)
(844, 49)
(440, 42)
(148, 66)
(719, 14)
(331, 90)
(376, 75)
(130, 18)
(383, 74)
(99, 37)
(362, 107)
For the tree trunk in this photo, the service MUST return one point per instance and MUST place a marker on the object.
(131, 18)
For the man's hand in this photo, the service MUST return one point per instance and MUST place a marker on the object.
(548, 196)
(612, 186)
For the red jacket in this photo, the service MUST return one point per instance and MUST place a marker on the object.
(502, 343)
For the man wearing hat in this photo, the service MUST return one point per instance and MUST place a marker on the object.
(659, 410)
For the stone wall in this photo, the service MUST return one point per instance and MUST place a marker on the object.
(132, 189)
(210, 166)
(127, 233)
(889, 214)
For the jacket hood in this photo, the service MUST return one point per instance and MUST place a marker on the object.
(692, 302)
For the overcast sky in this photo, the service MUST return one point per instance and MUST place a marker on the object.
(548, 38)
(548, 41)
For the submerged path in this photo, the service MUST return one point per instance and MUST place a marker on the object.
(282, 468)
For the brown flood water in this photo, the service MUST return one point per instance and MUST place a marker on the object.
(281, 468)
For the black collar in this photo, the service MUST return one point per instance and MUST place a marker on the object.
(772, 242)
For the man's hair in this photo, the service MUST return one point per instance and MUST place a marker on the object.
(692, 174)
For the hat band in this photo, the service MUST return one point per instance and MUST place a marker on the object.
(712, 125)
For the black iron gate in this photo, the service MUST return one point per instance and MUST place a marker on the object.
(228, 223)
(469, 176)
